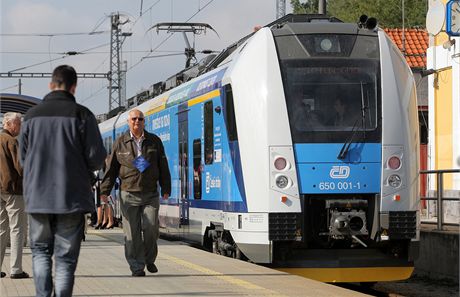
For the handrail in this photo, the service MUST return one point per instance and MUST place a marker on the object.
(439, 194)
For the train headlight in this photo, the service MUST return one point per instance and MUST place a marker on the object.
(280, 163)
(326, 44)
(394, 180)
(282, 181)
(394, 163)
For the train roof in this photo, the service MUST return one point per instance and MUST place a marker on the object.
(322, 28)
(288, 25)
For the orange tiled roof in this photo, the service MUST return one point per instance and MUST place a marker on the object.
(415, 45)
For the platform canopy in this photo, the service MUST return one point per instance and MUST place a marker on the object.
(16, 103)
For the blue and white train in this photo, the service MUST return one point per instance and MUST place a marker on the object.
(297, 147)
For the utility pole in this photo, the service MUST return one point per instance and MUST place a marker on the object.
(124, 68)
(280, 8)
(115, 75)
(322, 7)
(20, 87)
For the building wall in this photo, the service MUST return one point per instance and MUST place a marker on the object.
(444, 115)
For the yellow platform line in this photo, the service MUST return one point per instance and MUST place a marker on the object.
(229, 279)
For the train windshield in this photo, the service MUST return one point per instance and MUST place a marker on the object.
(329, 94)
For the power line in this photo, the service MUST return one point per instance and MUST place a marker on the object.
(99, 52)
(49, 74)
(151, 51)
(199, 10)
(7, 88)
(169, 36)
(166, 55)
(72, 53)
(99, 23)
(36, 64)
(143, 12)
(93, 94)
(95, 47)
(52, 34)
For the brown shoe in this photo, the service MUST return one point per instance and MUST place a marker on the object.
(2, 274)
(20, 275)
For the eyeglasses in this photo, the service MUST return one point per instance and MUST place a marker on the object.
(137, 118)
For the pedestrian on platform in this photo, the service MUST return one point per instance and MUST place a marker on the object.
(60, 146)
(138, 159)
(12, 215)
(105, 219)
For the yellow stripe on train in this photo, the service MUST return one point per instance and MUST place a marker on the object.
(194, 101)
(351, 275)
(204, 97)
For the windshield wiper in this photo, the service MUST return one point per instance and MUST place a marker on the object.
(346, 146)
(363, 111)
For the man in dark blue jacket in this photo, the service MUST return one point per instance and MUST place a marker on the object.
(60, 146)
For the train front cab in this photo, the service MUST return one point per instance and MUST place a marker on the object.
(350, 101)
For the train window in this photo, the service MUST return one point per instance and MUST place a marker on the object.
(110, 144)
(327, 45)
(327, 99)
(197, 168)
(423, 120)
(208, 132)
(229, 114)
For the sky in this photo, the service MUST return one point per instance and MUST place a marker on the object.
(40, 32)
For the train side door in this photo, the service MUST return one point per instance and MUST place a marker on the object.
(182, 116)
(212, 178)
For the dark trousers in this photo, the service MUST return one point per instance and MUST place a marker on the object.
(141, 227)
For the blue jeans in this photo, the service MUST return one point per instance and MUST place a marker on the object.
(61, 235)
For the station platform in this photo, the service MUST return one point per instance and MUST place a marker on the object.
(183, 271)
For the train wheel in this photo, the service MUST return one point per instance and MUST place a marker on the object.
(215, 248)
(367, 285)
(237, 253)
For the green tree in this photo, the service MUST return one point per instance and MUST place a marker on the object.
(307, 7)
(387, 12)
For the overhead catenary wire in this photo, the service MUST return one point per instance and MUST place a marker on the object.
(94, 94)
(143, 12)
(52, 34)
(86, 53)
(169, 36)
(95, 31)
(99, 23)
(36, 64)
(62, 57)
(10, 87)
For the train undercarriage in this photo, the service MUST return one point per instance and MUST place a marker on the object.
(335, 240)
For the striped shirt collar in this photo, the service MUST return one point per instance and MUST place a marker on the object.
(138, 142)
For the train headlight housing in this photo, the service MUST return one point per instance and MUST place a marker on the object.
(282, 181)
(394, 180)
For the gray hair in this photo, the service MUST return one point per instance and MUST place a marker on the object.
(10, 116)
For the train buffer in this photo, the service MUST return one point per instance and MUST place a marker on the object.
(183, 271)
